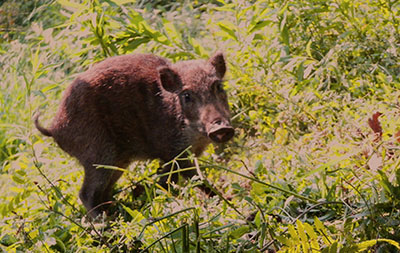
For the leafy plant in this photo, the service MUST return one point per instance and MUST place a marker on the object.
(313, 167)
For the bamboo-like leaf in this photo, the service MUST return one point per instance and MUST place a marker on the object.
(308, 48)
(135, 214)
(259, 25)
(239, 232)
(367, 244)
(121, 2)
(172, 32)
(198, 48)
(229, 29)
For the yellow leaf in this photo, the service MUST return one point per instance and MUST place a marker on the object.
(366, 244)
(121, 2)
(313, 237)
(303, 236)
(280, 135)
(308, 48)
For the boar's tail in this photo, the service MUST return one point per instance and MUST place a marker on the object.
(43, 130)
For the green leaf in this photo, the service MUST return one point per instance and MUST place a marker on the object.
(284, 30)
(171, 31)
(259, 25)
(259, 189)
(50, 87)
(17, 179)
(156, 35)
(198, 48)
(135, 214)
(229, 29)
(398, 176)
(135, 19)
(8, 240)
(389, 187)
(239, 232)
(135, 43)
(60, 246)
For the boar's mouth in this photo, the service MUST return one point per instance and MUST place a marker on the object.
(221, 133)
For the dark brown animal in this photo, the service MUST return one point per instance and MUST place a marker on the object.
(139, 107)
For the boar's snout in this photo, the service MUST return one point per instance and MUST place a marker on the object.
(220, 131)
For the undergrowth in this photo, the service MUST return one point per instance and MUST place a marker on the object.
(313, 89)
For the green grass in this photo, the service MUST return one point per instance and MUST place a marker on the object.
(305, 171)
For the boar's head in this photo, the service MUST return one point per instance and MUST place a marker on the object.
(200, 99)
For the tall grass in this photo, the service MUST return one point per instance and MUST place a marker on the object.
(312, 166)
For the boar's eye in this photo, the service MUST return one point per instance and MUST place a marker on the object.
(187, 98)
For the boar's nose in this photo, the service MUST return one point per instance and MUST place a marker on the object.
(220, 131)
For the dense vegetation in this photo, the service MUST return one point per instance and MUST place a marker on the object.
(314, 94)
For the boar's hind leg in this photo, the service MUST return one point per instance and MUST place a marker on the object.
(97, 186)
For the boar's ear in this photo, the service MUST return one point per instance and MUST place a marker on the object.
(170, 80)
(218, 62)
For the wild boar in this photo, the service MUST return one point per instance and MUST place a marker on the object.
(139, 106)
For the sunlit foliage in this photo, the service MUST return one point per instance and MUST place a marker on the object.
(314, 93)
